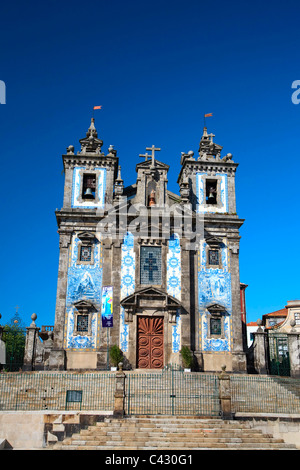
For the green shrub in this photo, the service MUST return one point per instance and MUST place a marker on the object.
(116, 355)
(187, 357)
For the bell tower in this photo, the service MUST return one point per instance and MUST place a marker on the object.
(90, 177)
(208, 184)
(151, 180)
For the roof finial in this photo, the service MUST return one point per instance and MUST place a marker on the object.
(92, 129)
(119, 186)
(119, 178)
(91, 143)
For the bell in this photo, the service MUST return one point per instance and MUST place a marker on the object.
(89, 194)
(152, 201)
(211, 194)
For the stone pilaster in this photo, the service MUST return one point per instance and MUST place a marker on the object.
(68, 186)
(260, 351)
(239, 363)
(57, 356)
(294, 352)
(185, 295)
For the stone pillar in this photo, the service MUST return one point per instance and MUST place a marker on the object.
(294, 350)
(1, 329)
(30, 345)
(185, 295)
(119, 408)
(57, 360)
(68, 185)
(48, 345)
(2, 347)
(225, 394)
(116, 283)
(239, 363)
(260, 350)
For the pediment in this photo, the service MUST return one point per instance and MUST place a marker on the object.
(216, 308)
(148, 163)
(150, 296)
(86, 236)
(83, 305)
(213, 241)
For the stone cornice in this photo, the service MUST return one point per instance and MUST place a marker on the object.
(89, 160)
(84, 216)
(212, 166)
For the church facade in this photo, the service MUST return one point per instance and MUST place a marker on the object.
(146, 269)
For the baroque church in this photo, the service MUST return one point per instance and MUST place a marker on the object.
(146, 269)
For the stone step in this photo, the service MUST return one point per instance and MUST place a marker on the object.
(180, 431)
(220, 446)
(174, 425)
(158, 433)
(172, 439)
(168, 446)
(186, 442)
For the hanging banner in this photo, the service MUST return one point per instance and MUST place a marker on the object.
(107, 307)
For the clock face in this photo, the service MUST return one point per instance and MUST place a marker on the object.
(85, 253)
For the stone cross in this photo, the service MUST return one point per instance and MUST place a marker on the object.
(146, 155)
(153, 149)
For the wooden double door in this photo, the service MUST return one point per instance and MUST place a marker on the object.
(150, 342)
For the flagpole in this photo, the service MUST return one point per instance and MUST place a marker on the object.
(206, 115)
(95, 107)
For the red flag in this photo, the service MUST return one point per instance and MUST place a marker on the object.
(97, 107)
(208, 115)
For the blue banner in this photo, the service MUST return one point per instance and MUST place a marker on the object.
(107, 307)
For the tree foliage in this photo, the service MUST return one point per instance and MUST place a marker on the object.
(14, 337)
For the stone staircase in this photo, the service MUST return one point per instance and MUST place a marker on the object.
(170, 433)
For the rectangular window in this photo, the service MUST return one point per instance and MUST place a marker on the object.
(82, 323)
(297, 318)
(213, 257)
(85, 253)
(211, 191)
(216, 326)
(89, 186)
(150, 265)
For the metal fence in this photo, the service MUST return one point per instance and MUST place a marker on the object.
(57, 391)
(264, 394)
(172, 392)
(167, 392)
(279, 361)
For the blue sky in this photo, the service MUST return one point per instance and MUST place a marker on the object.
(156, 67)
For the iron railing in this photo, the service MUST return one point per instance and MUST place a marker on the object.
(172, 392)
(166, 392)
(265, 394)
(279, 361)
(57, 391)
